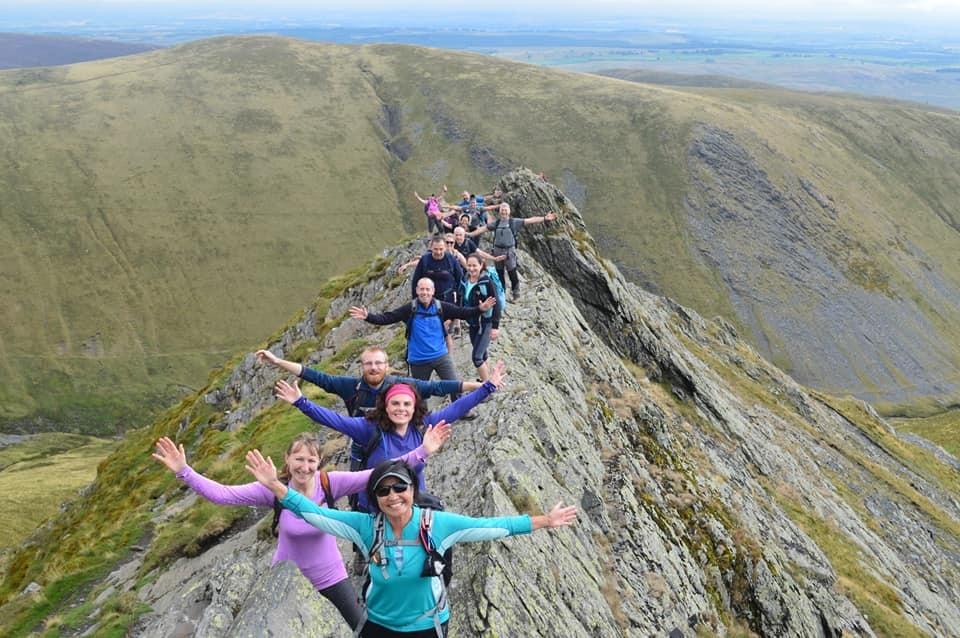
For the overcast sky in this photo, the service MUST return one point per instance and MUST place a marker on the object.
(503, 13)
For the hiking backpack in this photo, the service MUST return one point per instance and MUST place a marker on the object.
(504, 235)
(435, 565)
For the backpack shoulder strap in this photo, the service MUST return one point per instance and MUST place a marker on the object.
(327, 494)
(277, 509)
(371, 445)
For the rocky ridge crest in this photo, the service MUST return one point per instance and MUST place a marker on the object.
(716, 495)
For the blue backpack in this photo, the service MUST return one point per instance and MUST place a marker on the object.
(501, 294)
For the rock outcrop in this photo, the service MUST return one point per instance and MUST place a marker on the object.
(716, 495)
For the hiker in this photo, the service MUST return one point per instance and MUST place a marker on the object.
(432, 209)
(441, 267)
(479, 215)
(427, 349)
(459, 245)
(505, 232)
(477, 285)
(463, 244)
(310, 549)
(359, 394)
(394, 425)
(405, 596)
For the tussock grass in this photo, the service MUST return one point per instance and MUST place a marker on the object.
(257, 158)
(39, 474)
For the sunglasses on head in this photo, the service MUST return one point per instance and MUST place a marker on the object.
(398, 488)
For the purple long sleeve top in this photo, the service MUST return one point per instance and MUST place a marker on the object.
(313, 551)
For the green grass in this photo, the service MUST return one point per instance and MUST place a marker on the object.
(39, 474)
(260, 169)
(942, 429)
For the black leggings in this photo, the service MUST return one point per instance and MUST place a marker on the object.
(373, 630)
(344, 598)
(514, 279)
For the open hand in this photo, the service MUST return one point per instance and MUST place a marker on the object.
(434, 437)
(171, 455)
(289, 392)
(262, 468)
(358, 312)
(498, 374)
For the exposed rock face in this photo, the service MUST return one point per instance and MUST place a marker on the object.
(715, 493)
(808, 291)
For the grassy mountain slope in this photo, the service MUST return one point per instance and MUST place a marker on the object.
(716, 495)
(159, 211)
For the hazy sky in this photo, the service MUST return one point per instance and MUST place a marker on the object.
(944, 15)
(798, 8)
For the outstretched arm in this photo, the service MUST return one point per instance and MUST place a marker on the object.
(549, 217)
(559, 516)
(413, 262)
(289, 366)
(174, 457)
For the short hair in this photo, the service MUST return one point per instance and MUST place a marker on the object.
(438, 238)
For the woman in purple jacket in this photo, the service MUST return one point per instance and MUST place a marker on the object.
(313, 551)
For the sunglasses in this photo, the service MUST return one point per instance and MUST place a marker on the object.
(398, 488)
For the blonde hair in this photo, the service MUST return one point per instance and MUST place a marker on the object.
(304, 439)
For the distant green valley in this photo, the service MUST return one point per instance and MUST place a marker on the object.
(163, 213)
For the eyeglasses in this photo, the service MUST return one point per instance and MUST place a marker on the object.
(373, 364)
(398, 488)
(448, 243)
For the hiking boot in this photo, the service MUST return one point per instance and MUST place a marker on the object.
(471, 415)
(515, 296)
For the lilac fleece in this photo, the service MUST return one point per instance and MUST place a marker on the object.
(313, 551)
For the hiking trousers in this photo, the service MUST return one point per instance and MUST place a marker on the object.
(442, 365)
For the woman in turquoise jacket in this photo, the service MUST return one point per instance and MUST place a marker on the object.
(405, 596)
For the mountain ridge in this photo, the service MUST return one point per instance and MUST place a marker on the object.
(716, 495)
(143, 192)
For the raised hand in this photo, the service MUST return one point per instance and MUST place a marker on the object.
(550, 216)
(262, 468)
(287, 391)
(436, 436)
(266, 355)
(487, 303)
(498, 374)
(358, 312)
(171, 455)
(561, 516)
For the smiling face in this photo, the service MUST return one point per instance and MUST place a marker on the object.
(473, 267)
(302, 462)
(437, 248)
(425, 291)
(373, 364)
(396, 506)
(504, 211)
(400, 410)
(459, 234)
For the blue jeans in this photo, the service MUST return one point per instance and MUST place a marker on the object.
(480, 339)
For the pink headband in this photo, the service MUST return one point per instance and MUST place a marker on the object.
(400, 388)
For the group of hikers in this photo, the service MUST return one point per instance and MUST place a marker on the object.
(401, 534)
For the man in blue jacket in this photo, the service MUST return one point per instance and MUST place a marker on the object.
(426, 339)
